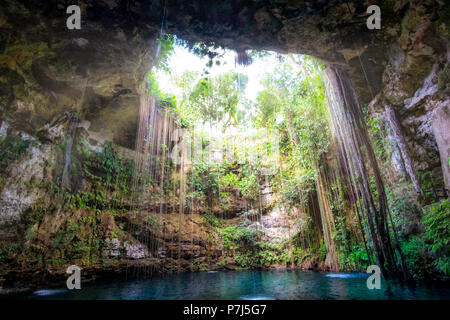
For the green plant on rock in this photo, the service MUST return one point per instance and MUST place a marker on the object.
(437, 226)
(199, 265)
(11, 148)
(229, 180)
(211, 219)
(234, 237)
(414, 251)
(322, 252)
(428, 185)
(109, 169)
(8, 251)
(249, 186)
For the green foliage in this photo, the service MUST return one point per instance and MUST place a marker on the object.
(246, 181)
(249, 251)
(110, 170)
(234, 237)
(95, 200)
(210, 218)
(305, 234)
(11, 148)
(205, 49)
(199, 265)
(153, 90)
(7, 252)
(297, 107)
(79, 240)
(322, 252)
(153, 221)
(114, 235)
(428, 185)
(353, 258)
(293, 102)
(350, 251)
(377, 132)
(229, 180)
(294, 185)
(423, 239)
(249, 186)
(267, 257)
(204, 178)
(166, 47)
(215, 100)
(414, 252)
(406, 212)
(437, 224)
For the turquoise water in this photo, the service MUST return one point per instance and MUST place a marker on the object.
(248, 285)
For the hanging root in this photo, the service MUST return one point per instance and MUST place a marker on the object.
(243, 58)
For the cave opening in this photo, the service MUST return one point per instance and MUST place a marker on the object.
(178, 137)
(282, 149)
(231, 123)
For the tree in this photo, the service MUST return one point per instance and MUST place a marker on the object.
(216, 99)
(293, 101)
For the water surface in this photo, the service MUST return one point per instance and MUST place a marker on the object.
(248, 285)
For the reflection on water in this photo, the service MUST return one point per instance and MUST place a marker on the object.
(346, 275)
(48, 292)
(256, 298)
(249, 285)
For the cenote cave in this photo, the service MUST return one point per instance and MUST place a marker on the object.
(211, 150)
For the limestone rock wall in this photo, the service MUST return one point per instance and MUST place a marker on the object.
(415, 85)
(47, 70)
(441, 129)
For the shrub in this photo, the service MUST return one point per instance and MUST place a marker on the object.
(229, 180)
(238, 237)
(414, 252)
(210, 218)
(110, 169)
(437, 233)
